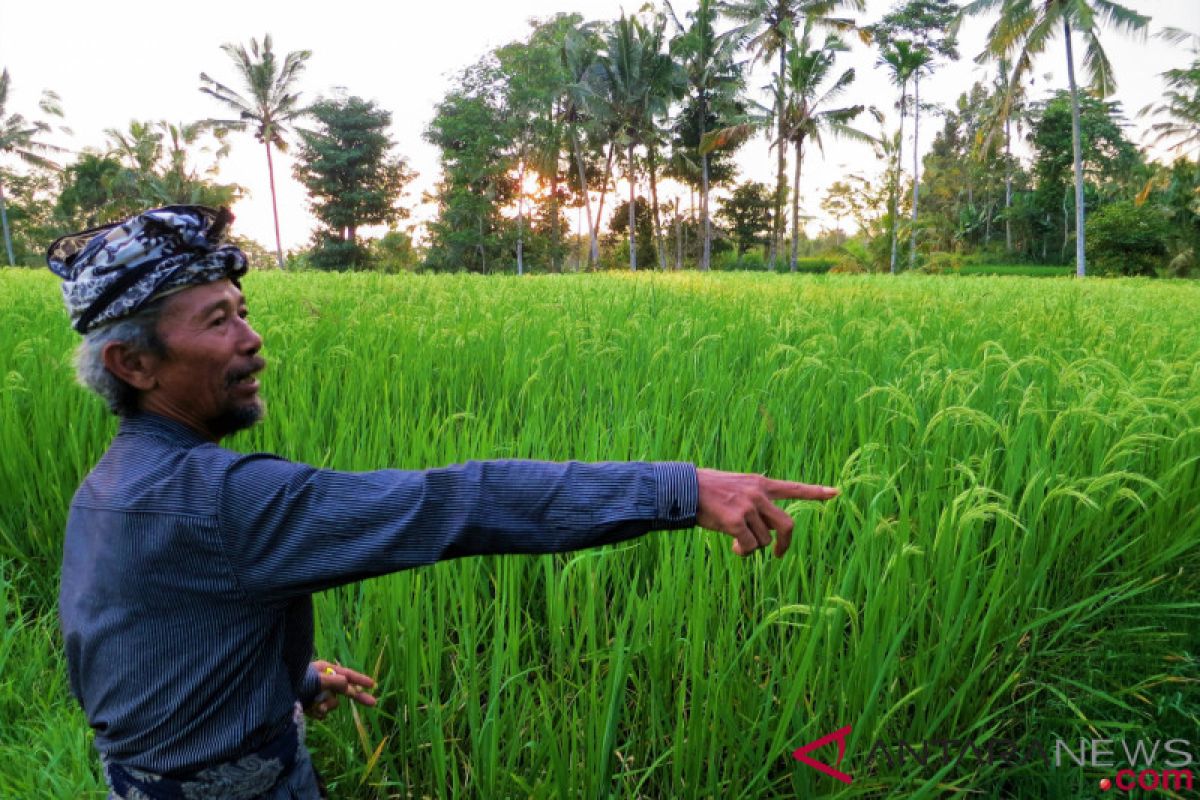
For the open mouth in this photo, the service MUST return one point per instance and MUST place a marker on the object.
(246, 381)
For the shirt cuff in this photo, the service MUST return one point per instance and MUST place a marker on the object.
(310, 686)
(678, 493)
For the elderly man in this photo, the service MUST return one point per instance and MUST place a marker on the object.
(188, 569)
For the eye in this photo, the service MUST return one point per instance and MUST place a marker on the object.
(217, 321)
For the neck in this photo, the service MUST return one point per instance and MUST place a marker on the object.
(155, 405)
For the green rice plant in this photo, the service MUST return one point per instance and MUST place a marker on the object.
(1014, 553)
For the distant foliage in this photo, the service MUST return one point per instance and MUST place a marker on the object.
(394, 252)
(1127, 239)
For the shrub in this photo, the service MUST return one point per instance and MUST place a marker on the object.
(752, 261)
(855, 257)
(1127, 239)
(815, 264)
(942, 263)
(394, 252)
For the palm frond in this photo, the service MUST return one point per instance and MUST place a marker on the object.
(1097, 66)
(1123, 19)
(731, 136)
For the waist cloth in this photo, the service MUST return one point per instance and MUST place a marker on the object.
(245, 778)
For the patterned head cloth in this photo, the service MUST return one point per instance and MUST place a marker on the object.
(112, 271)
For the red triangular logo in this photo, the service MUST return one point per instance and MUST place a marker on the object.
(801, 754)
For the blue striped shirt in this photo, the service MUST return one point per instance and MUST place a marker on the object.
(188, 570)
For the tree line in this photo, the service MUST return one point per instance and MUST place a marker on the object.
(543, 128)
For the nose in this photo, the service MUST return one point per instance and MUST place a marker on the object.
(250, 342)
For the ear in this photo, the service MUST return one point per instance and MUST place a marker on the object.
(132, 365)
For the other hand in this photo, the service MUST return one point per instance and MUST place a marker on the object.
(336, 681)
(743, 507)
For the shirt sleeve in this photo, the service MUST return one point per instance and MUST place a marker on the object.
(292, 529)
(310, 687)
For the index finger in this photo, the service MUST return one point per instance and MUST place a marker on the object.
(790, 490)
(355, 677)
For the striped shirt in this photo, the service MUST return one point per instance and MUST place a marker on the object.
(188, 570)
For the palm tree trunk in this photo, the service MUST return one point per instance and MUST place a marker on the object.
(274, 205)
(678, 238)
(896, 188)
(579, 238)
(1080, 266)
(594, 249)
(706, 255)
(691, 214)
(987, 221)
(612, 146)
(1007, 187)
(912, 243)
(12, 262)
(521, 219)
(781, 174)
(660, 248)
(632, 220)
(796, 206)
(556, 254)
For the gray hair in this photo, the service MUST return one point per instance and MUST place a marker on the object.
(140, 331)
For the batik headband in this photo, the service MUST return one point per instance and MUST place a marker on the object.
(111, 271)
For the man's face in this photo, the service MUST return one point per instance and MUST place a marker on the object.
(205, 379)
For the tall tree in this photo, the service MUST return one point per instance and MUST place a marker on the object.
(806, 115)
(474, 137)
(272, 105)
(1111, 165)
(965, 175)
(352, 177)
(581, 109)
(928, 26)
(1025, 29)
(684, 163)
(747, 213)
(902, 61)
(767, 26)
(715, 80)
(22, 138)
(536, 83)
(1003, 110)
(641, 80)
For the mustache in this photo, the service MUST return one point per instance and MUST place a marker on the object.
(257, 365)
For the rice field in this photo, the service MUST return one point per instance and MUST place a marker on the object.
(1015, 554)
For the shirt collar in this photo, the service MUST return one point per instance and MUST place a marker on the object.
(146, 423)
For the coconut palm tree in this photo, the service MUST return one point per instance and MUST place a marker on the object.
(582, 106)
(272, 104)
(806, 116)
(714, 76)
(1025, 28)
(766, 26)
(924, 24)
(21, 138)
(902, 61)
(640, 80)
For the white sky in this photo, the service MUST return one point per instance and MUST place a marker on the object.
(115, 62)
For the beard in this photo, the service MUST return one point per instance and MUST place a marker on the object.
(238, 418)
